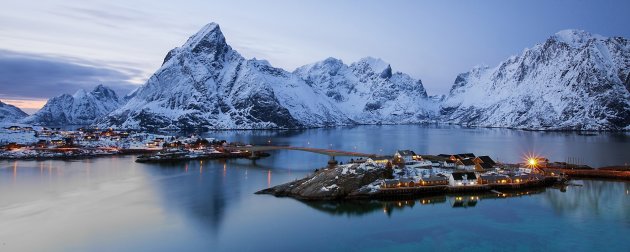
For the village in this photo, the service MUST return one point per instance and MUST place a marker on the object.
(28, 142)
(410, 170)
(408, 175)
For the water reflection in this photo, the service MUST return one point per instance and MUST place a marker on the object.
(602, 199)
(207, 197)
(605, 148)
(363, 207)
(115, 204)
(204, 196)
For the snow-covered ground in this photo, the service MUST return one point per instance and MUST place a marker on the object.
(24, 143)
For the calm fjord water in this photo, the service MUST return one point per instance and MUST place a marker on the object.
(115, 204)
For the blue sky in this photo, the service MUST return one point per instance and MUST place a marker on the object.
(54, 47)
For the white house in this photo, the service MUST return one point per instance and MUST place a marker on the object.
(443, 171)
(404, 156)
(466, 164)
(462, 179)
(447, 163)
(418, 164)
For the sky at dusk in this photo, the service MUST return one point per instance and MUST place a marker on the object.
(52, 47)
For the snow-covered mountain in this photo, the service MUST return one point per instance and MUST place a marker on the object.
(10, 113)
(369, 92)
(206, 84)
(574, 80)
(81, 108)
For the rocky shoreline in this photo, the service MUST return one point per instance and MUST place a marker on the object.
(333, 183)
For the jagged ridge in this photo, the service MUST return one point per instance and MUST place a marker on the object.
(573, 81)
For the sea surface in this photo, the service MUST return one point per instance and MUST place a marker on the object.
(115, 204)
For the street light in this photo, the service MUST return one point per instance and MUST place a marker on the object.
(532, 162)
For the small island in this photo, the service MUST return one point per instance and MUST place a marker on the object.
(409, 175)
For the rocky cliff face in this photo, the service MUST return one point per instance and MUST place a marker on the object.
(206, 84)
(574, 81)
(10, 113)
(81, 108)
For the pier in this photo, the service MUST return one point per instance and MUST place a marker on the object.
(591, 173)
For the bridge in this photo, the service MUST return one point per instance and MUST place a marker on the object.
(331, 153)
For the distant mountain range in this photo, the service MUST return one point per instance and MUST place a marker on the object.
(572, 81)
(81, 108)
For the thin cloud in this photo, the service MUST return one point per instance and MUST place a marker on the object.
(32, 76)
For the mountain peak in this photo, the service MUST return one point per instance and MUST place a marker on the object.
(100, 88)
(79, 93)
(207, 37)
(574, 37)
(103, 92)
(377, 66)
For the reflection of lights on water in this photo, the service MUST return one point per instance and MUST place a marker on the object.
(224, 169)
(268, 178)
(88, 167)
(14, 171)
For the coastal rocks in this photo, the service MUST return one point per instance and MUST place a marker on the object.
(332, 183)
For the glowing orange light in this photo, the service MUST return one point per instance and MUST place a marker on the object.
(532, 162)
